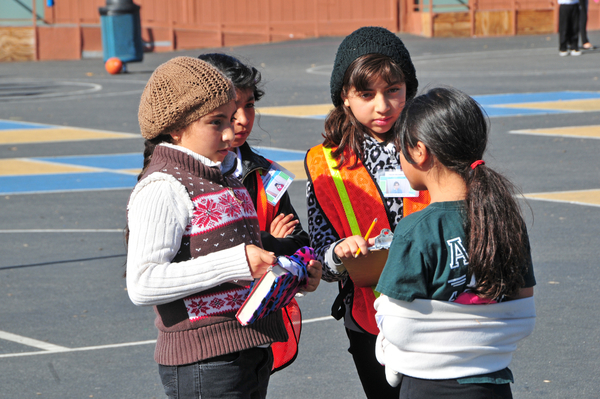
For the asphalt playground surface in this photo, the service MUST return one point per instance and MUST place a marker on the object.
(70, 150)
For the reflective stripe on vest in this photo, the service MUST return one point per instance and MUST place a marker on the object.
(366, 197)
(342, 193)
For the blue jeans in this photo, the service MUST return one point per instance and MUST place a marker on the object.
(238, 375)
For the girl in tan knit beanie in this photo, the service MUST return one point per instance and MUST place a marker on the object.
(194, 240)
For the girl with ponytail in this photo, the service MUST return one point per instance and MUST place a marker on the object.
(468, 247)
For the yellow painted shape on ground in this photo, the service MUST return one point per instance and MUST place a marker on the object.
(569, 105)
(297, 110)
(131, 171)
(18, 167)
(585, 197)
(296, 167)
(573, 131)
(22, 136)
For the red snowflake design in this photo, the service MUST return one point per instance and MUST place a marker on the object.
(235, 299)
(196, 307)
(246, 202)
(207, 213)
(230, 206)
(217, 303)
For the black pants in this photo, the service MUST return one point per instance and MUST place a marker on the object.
(370, 372)
(568, 27)
(583, 13)
(415, 388)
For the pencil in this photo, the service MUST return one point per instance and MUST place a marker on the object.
(367, 235)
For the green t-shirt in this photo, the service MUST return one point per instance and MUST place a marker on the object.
(428, 260)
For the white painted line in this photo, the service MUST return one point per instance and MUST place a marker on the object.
(83, 349)
(62, 231)
(50, 348)
(30, 342)
(308, 321)
(568, 136)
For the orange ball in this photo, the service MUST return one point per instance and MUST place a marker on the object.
(113, 65)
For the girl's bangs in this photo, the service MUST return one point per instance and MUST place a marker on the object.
(372, 69)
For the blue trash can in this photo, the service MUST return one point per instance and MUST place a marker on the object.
(121, 31)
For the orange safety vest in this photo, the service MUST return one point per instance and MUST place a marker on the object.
(266, 212)
(284, 353)
(367, 201)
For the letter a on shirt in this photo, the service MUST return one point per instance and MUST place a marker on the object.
(457, 253)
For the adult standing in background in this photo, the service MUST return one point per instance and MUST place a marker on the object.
(568, 28)
(583, 13)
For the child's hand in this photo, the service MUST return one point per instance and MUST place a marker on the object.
(348, 247)
(259, 260)
(283, 225)
(315, 269)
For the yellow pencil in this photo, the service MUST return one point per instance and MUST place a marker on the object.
(367, 235)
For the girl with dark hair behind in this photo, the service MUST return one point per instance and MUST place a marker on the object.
(281, 231)
(468, 247)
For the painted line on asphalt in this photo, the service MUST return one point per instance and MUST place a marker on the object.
(317, 319)
(50, 348)
(495, 105)
(582, 132)
(578, 197)
(31, 342)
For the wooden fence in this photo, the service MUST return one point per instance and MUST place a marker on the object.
(71, 28)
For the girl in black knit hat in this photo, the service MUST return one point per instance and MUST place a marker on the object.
(373, 76)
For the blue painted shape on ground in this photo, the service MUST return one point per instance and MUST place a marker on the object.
(135, 160)
(493, 105)
(524, 98)
(64, 182)
(498, 112)
(61, 182)
(113, 162)
(10, 125)
(318, 117)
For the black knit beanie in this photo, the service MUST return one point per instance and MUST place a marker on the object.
(371, 40)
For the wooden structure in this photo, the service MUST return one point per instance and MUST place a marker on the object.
(487, 18)
(71, 28)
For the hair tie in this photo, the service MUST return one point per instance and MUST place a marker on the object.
(477, 163)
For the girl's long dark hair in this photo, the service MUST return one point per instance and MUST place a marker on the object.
(342, 129)
(243, 76)
(454, 129)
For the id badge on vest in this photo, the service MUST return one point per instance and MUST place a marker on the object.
(276, 182)
(393, 183)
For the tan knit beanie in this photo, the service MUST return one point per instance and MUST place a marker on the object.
(180, 92)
